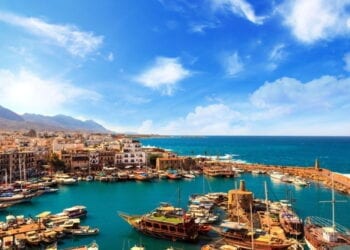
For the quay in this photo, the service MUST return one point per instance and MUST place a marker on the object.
(324, 176)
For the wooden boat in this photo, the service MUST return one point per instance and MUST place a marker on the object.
(237, 234)
(166, 222)
(142, 176)
(173, 175)
(322, 234)
(3, 206)
(291, 223)
(33, 238)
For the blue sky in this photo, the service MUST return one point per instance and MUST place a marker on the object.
(210, 67)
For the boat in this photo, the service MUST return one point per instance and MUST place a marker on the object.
(300, 182)
(136, 247)
(239, 235)
(142, 176)
(166, 222)
(75, 211)
(173, 175)
(65, 179)
(3, 206)
(277, 176)
(291, 223)
(322, 233)
(33, 238)
(91, 246)
(83, 231)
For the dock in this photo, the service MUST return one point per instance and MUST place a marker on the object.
(314, 173)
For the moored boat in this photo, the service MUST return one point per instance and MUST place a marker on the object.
(75, 211)
(166, 222)
(239, 235)
(291, 223)
(321, 233)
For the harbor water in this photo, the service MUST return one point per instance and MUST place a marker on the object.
(332, 152)
(105, 200)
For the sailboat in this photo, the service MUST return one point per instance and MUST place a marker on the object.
(324, 234)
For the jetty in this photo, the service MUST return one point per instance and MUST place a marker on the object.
(312, 173)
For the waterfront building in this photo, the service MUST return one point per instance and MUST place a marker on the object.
(17, 164)
(179, 163)
(131, 153)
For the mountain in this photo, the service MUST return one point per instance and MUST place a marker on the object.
(9, 120)
(9, 115)
(66, 122)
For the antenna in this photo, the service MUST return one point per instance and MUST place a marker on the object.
(333, 201)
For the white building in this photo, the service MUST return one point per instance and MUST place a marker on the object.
(131, 153)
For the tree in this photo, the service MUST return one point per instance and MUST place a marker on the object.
(56, 163)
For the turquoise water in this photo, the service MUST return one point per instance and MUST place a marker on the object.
(332, 152)
(104, 200)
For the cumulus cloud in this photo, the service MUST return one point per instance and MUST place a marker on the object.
(75, 41)
(163, 75)
(346, 59)
(214, 119)
(314, 20)
(233, 64)
(240, 8)
(286, 106)
(25, 91)
(322, 94)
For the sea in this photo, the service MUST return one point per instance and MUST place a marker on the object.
(105, 200)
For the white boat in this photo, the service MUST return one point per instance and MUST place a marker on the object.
(136, 247)
(75, 211)
(300, 182)
(189, 176)
(65, 179)
(277, 176)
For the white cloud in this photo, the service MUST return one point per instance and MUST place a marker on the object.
(276, 55)
(201, 27)
(110, 57)
(215, 119)
(346, 59)
(239, 7)
(76, 42)
(233, 64)
(25, 91)
(322, 94)
(283, 107)
(314, 20)
(163, 75)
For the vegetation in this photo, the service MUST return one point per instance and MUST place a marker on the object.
(56, 163)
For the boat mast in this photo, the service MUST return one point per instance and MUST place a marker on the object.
(333, 201)
(251, 224)
(266, 197)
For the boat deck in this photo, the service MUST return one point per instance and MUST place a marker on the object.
(164, 219)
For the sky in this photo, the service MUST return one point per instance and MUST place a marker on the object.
(177, 67)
